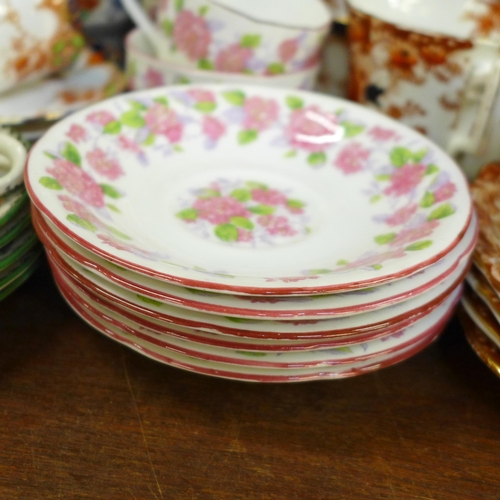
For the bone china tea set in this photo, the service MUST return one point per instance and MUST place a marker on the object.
(225, 218)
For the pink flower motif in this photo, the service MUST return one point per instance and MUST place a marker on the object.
(77, 182)
(352, 158)
(276, 225)
(260, 113)
(445, 192)
(375, 259)
(313, 60)
(164, 121)
(244, 235)
(405, 179)
(402, 215)
(287, 49)
(153, 78)
(128, 145)
(268, 196)
(308, 125)
(100, 117)
(382, 134)
(77, 133)
(220, 209)
(201, 95)
(191, 35)
(104, 164)
(77, 208)
(415, 233)
(213, 128)
(233, 59)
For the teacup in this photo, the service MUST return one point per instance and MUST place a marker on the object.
(144, 70)
(262, 37)
(12, 160)
(439, 74)
(36, 39)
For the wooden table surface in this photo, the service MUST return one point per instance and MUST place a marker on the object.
(83, 417)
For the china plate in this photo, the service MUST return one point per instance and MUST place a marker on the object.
(11, 204)
(15, 226)
(249, 190)
(87, 81)
(18, 247)
(281, 359)
(339, 304)
(245, 373)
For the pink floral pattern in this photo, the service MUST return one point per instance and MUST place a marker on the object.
(153, 78)
(244, 212)
(104, 164)
(191, 35)
(260, 113)
(233, 59)
(77, 133)
(101, 117)
(405, 179)
(162, 120)
(410, 235)
(382, 134)
(213, 128)
(402, 215)
(288, 49)
(352, 158)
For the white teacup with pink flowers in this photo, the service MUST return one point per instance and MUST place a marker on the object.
(235, 36)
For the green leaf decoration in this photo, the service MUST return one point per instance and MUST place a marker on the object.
(161, 100)
(241, 195)
(179, 5)
(419, 245)
(247, 136)
(81, 222)
(168, 27)
(441, 212)
(290, 154)
(110, 191)
(183, 80)
(427, 200)
(319, 271)
(383, 177)
(205, 107)
(257, 185)
(400, 156)
(50, 183)
(113, 208)
(118, 233)
(383, 239)
(295, 203)
(294, 102)
(235, 97)
(418, 156)
(49, 155)
(71, 154)
(351, 129)
(432, 169)
(188, 214)
(342, 262)
(317, 158)
(252, 354)
(242, 222)
(275, 69)
(226, 232)
(375, 198)
(177, 148)
(377, 266)
(239, 320)
(137, 105)
(203, 10)
(132, 119)
(262, 209)
(149, 141)
(205, 64)
(343, 349)
(148, 300)
(113, 127)
(250, 41)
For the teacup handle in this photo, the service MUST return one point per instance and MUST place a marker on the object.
(13, 156)
(143, 21)
(477, 102)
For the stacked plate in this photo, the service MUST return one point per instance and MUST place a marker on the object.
(19, 247)
(481, 300)
(253, 233)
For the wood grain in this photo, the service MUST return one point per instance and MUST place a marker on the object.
(83, 417)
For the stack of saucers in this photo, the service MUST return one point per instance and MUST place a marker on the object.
(253, 233)
(19, 247)
(481, 300)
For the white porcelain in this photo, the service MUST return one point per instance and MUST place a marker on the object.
(323, 306)
(234, 36)
(83, 83)
(144, 70)
(438, 74)
(12, 170)
(297, 192)
(36, 39)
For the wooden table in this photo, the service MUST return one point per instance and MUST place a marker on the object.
(83, 417)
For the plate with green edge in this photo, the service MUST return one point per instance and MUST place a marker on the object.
(16, 248)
